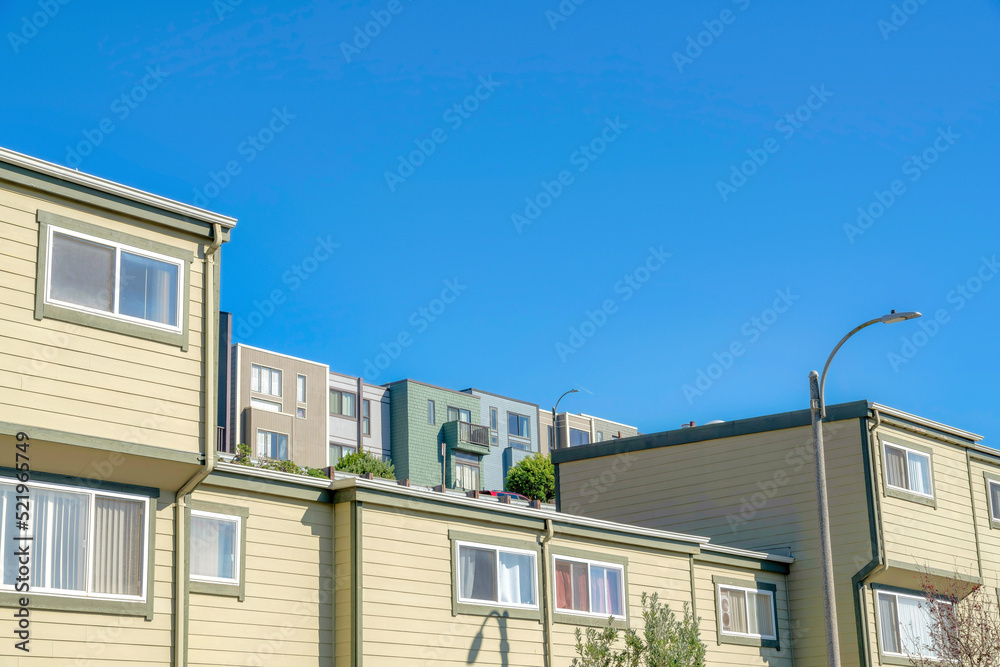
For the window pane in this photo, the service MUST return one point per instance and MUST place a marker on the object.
(578, 437)
(465, 416)
(148, 289)
(347, 404)
(366, 408)
(616, 594)
(920, 472)
(452, 414)
(605, 590)
(511, 423)
(265, 405)
(733, 607)
(895, 467)
(571, 585)
(213, 547)
(275, 383)
(763, 615)
(300, 413)
(83, 272)
(366, 426)
(118, 557)
(282, 447)
(914, 625)
(890, 624)
(261, 443)
(430, 412)
(477, 574)
(254, 378)
(59, 523)
(517, 578)
(995, 500)
(493, 419)
(300, 388)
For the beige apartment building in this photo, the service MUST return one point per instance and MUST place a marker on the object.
(909, 497)
(574, 430)
(144, 549)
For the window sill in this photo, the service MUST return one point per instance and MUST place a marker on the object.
(909, 495)
(469, 609)
(89, 605)
(893, 660)
(53, 312)
(222, 590)
(749, 641)
(588, 621)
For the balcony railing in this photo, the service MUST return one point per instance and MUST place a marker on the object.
(474, 433)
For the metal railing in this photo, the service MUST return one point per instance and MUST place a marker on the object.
(221, 441)
(474, 433)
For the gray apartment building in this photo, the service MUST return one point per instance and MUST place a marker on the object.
(513, 426)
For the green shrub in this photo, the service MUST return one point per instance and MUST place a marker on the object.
(264, 463)
(665, 641)
(534, 478)
(360, 463)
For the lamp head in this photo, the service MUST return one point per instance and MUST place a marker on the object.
(894, 317)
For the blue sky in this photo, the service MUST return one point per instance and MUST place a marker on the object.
(585, 148)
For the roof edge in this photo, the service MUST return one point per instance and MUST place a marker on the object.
(106, 186)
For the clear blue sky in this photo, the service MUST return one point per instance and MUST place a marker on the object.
(917, 105)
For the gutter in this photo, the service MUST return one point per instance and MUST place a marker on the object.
(181, 592)
(548, 589)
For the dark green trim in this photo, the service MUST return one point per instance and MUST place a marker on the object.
(103, 444)
(110, 323)
(747, 641)
(743, 562)
(578, 619)
(50, 186)
(357, 583)
(96, 606)
(684, 436)
(616, 538)
(891, 492)
(85, 482)
(486, 609)
(990, 477)
(558, 494)
(274, 487)
(869, 486)
(860, 616)
(975, 518)
(694, 597)
(237, 591)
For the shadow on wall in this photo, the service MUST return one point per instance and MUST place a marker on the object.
(477, 643)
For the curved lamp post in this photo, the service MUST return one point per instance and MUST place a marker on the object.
(817, 407)
(555, 428)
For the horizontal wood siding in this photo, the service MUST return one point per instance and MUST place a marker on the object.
(287, 616)
(755, 491)
(85, 380)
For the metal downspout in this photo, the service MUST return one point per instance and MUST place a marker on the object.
(209, 427)
(548, 587)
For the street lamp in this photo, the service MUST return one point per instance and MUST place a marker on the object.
(555, 429)
(817, 407)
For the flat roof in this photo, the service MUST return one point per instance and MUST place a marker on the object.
(99, 184)
(775, 422)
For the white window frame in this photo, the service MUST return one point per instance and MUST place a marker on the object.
(496, 575)
(590, 602)
(261, 404)
(92, 493)
(265, 453)
(746, 611)
(118, 248)
(990, 483)
(908, 451)
(300, 412)
(301, 399)
(236, 543)
(272, 371)
(881, 629)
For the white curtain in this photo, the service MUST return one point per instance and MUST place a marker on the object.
(895, 467)
(148, 289)
(734, 611)
(517, 578)
(59, 525)
(213, 547)
(598, 590)
(118, 557)
(890, 625)
(920, 473)
(764, 615)
(477, 573)
(914, 626)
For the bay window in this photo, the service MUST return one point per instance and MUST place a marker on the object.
(490, 575)
(84, 543)
(589, 587)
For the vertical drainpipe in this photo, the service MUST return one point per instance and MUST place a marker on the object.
(359, 411)
(548, 589)
(209, 432)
